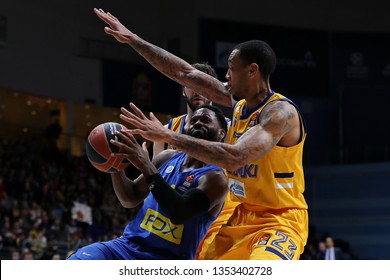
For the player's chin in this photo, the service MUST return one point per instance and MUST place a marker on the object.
(199, 134)
(198, 102)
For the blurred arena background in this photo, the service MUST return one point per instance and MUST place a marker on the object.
(61, 75)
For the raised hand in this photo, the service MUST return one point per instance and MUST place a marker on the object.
(116, 28)
(150, 129)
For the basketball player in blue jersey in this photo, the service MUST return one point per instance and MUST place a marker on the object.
(181, 197)
(262, 156)
(180, 125)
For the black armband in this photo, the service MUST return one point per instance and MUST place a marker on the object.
(178, 207)
(154, 179)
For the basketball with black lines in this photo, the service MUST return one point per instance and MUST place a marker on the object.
(99, 148)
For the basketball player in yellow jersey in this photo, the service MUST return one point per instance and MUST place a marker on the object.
(263, 156)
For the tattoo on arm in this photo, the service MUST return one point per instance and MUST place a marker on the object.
(276, 117)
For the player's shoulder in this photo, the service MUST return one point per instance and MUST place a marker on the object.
(280, 106)
(164, 156)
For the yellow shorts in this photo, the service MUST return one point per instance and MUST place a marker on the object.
(223, 217)
(250, 235)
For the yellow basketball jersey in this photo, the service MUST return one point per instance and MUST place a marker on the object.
(177, 125)
(275, 181)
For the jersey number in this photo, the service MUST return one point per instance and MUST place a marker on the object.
(290, 252)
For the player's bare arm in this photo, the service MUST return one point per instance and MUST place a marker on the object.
(170, 65)
(277, 119)
(214, 185)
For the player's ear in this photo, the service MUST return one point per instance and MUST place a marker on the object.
(253, 69)
(221, 135)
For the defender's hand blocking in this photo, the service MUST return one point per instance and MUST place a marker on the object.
(150, 129)
(116, 29)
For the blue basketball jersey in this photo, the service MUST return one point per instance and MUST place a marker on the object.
(152, 232)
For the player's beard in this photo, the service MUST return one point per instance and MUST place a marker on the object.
(193, 107)
(205, 135)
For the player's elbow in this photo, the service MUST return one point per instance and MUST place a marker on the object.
(234, 160)
(129, 204)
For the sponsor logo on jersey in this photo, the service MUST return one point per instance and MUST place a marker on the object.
(169, 169)
(246, 171)
(237, 187)
(253, 121)
(160, 225)
(236, 134)
(264, 239)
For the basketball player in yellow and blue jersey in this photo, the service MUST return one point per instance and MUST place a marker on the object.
(263, 157)
(180, 198)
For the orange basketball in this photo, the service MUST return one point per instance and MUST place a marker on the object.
(99, 148)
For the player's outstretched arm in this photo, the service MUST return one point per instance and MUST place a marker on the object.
(277, 120)
(170, 65)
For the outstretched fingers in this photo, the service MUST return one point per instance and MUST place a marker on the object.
(102, 15)
(130, 118)
(137, 111)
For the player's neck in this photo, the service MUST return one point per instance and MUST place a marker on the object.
(191, 163)
(189, 114)
(257, 98)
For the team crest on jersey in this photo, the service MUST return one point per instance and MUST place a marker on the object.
(190, 178)
(187, 182)
(237, 187)
(254, 119)
(264, 239)
(169, 169)
(162, 226)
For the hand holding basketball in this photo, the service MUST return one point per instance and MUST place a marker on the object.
(131, 150)
(99, 149)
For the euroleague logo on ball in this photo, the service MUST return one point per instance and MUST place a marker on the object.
(99, 148)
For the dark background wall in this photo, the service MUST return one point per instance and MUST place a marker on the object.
(333, 61)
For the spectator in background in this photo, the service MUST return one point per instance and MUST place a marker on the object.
(56, 256)
(28, 255)
(331, 252)
(321, 250)
(15, 255)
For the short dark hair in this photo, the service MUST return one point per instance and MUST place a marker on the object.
(206, 68)
(259, 52)
(218, 113)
